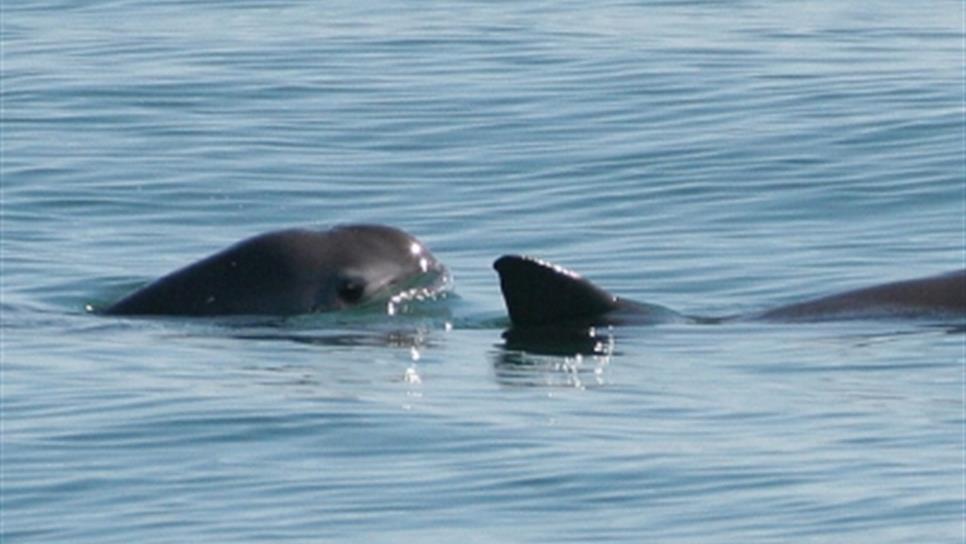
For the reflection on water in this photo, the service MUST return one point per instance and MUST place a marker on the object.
(412, 339)
(554, 357)
(563, 341)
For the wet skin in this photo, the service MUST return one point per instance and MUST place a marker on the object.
(294, 271)
(541, 294)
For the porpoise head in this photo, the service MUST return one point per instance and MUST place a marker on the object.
(296, 271)
(357, 265)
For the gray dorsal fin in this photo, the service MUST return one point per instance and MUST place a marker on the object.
(539, 293)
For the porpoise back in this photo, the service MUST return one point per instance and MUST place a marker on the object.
(540, 294)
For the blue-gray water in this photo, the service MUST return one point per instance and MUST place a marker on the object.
(713, 157)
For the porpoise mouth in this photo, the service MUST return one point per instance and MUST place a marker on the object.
(433, 283)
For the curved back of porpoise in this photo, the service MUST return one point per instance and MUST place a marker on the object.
(539, 293)
(259, 275)
(934, 295)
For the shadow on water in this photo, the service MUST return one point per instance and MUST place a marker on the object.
(408, 326)
(560, 341)
(412, 329)
(578, 357)
(405, 338)
(554, 357)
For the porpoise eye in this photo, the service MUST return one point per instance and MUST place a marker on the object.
(351, 291)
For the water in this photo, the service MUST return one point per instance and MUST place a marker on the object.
(712, 157)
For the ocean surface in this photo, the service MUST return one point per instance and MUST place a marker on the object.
(715, 157)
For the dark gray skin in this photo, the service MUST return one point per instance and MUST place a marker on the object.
(295, 271)
(540, 294)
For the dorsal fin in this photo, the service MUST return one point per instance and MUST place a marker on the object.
(539, 293)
